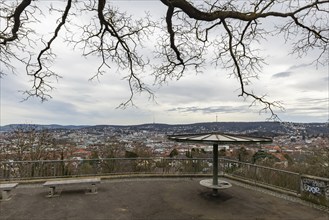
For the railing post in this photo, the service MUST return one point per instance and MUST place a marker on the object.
(299, 185)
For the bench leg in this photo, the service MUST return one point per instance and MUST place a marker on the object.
(52, 192)
(93, 189)
(6, 195)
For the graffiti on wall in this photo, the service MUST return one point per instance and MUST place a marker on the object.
(316, 187)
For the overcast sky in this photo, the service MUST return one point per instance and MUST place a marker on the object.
(206, 97)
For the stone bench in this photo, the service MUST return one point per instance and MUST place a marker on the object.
(86, 181)
(219, 186)
(5, 189)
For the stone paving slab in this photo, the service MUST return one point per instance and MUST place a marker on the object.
(161, 198)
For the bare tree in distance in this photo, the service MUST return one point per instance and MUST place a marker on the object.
(189, 31)
(26, 142)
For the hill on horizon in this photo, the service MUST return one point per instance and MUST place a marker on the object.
(259, 128)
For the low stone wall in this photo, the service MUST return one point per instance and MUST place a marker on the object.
(315, 189)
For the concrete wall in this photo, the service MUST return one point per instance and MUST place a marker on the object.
(315, 189)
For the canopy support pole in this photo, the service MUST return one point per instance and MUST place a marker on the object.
(215, 168)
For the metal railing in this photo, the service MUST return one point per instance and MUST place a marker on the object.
(20, 170)
(108, 166)
(260, 174)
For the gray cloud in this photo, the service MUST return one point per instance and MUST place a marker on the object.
(309, 109)
(203, 88)
(299, 66)
(291, 70)
(212, 109)
(282, 74)
(314, 103)
(313, 84)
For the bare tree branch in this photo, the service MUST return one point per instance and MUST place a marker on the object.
(236, 43)
(193, 33)
(17, 22)
(40, 85)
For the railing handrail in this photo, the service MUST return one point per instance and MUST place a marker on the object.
(149, 158)
(100, 159)
(260, 166)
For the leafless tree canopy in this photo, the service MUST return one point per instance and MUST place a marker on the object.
(188, 32)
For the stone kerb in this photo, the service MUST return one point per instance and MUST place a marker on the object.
(315, 189)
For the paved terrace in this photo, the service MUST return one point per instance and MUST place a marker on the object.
(157, 198)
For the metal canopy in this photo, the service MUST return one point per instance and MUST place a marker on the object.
(218, 138)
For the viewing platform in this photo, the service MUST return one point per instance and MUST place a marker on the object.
(157, 198)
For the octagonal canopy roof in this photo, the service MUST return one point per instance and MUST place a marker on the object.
(218, 138)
